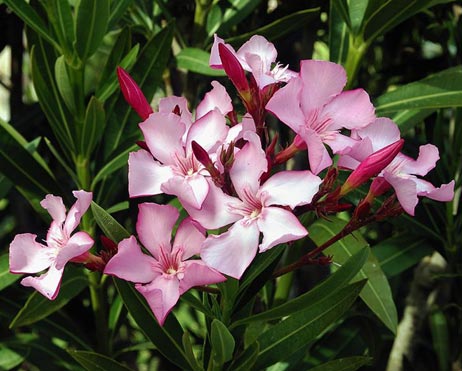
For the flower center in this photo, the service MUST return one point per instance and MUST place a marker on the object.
(171, 263)
(250, 207)
(186, 166)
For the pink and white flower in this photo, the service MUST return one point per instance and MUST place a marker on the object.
(170, 165)
(259, 208)
(314, 106)
(29, 256)
(257, 56)
(168, 272)
(402, 172)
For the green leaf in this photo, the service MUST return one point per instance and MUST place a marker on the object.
(113, 165)
(147, 72)
(93, 126)
(214, 18)
(298, 330)
(397, 254)
(382, 16)
(110, 227)
(93, 361)
(91, 26)
(64, 84)
(50, 100)
(38, 307)
(279, 28)
(376, 293)
(333, 283)
(60, 16)
(187, 345)
(246, 359)
(439, 328)
(339, 37)
(10, 359)
(24, 11)
(236, 11)
(6, 278)
(222, 343)
(442, 89)
(22, 168)
(408, 118)
(196, 60)
(357, 11)
(344, 364)
(166, 338)
(118, 9)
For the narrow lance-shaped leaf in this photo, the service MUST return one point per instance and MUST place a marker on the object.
(344, 364)
(91, 26)
(333, 283)
(38, 307)
(6, 278)
(442, 89)
(298, 330)
(222, 343)
(93, 361)
(64, 84)
(30, 17)
(23, 168)
(147, 72)
(60, 16)
(93, 126)
(376, 293)
(196, 60)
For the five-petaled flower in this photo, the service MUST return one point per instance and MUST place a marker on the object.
(168, 272)
(29, 256)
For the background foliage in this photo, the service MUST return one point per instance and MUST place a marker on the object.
(70, 128)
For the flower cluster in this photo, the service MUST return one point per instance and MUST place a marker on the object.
(231, 176)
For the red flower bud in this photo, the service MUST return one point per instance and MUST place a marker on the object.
(133, 94)
(233, 68)
(371, 166)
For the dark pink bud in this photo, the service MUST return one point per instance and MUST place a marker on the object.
(372, 166)
(201, 154)
(233, 68)
(133, 94)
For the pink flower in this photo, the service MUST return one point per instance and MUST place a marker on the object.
(167, 273)
(314, 106)
(170, 165)
(29, 256)
(257, 209)
(257, 56)
(402, 172)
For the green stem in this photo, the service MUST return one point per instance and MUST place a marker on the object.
(200, 19)
(356, 50)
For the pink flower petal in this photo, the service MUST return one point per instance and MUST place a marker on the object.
(47, 284)
(278, 226)
(322, 81)
(198, 274)
(189, 189)
(428, 156)
(216, 98)
(290, 188)
(258, 46)
(214, 211)
(443, 193)
(79, 243)
(163, 134)
(154, 226)
(29, 256)
(318, 155)
(189, 236)
(285, 105)
(209, 131)
(146, 175)
(162, 294)
(233, 251)
(351, 110)
(406, 191)
(55, 207)
(131, 264)
(381, 133)
(249, 164)
(77, 210)
(170, 104)
(339, 143)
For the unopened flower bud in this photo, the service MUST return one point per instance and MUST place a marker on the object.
(133, 94)
(371, 166)
(233, 69)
